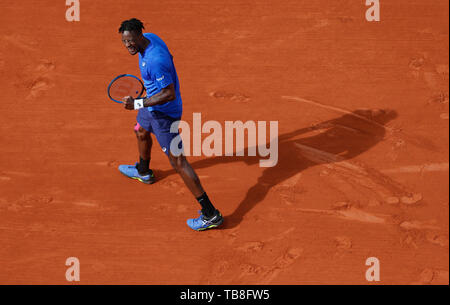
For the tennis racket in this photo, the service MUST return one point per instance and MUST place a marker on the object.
(126, 85)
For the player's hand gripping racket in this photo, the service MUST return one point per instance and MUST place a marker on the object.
(127, 85)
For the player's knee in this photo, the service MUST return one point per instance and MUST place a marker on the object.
(177, 162)
(173, 163)
(141, 134)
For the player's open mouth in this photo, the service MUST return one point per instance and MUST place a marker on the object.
(131, 50)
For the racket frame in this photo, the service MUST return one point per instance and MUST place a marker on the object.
(125, 75)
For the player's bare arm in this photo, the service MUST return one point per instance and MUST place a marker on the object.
(165, 95)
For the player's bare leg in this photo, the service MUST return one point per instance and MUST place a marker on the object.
(141, 171)
(187, 173)
(210, 217)
(144, 141)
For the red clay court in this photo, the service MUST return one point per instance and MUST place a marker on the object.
(363, 112)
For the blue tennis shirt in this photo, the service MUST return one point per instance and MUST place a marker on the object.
(158, 72)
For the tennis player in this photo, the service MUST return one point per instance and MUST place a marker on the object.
(161, 108)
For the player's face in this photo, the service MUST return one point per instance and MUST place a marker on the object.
(131, 42)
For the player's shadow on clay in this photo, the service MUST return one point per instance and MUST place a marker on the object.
(344, 137)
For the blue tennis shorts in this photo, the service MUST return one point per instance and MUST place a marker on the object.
(159, 124)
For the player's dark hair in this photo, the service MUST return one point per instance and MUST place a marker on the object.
(132, 25)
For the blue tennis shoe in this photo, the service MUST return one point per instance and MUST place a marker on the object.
(132, 172)
(203, 223)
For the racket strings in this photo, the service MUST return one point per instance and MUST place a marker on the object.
(126, 86)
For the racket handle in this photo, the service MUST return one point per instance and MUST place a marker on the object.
(138, 104)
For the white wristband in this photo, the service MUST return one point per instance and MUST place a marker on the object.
(138, 104)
